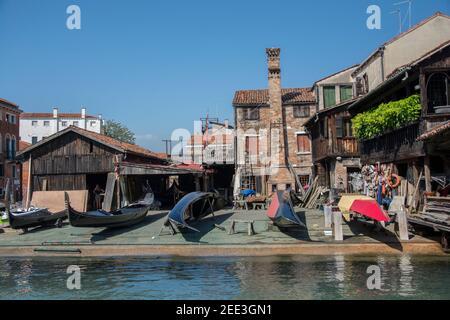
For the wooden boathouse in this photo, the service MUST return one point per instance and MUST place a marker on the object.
(77, 159)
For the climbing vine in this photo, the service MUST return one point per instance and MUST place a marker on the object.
(387, 116)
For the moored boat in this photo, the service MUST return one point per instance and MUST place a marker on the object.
(34, 217)
(192, 207)
(123, 217)
(281, 211)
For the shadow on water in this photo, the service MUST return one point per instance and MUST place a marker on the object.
(112, 232)
(204, 225)
(384, 235)
(298, 232)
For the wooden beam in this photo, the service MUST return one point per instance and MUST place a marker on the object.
(29, 187)
(402, 224)
(427, 173)
(337, 226)
(109, 192)
(123, 188)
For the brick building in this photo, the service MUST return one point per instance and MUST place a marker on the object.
(273, 148)
(9, 139)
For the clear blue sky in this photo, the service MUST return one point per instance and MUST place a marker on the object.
(159, 65)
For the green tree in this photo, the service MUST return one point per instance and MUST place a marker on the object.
(119, 132)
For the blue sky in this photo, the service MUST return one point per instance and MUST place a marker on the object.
(160, 65)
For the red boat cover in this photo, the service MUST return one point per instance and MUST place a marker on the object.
(370, 209)
(273, 208)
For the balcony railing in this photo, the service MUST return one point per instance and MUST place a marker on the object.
(395, 145)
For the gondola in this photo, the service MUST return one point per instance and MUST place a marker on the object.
(123, 217)
(192, 207)
(281, 211)
(35, 217)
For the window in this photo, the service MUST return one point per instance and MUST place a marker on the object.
(251, 145)
(438, 92)
(344, 127)
(346, 93)
(304, 180)
(329, 96)
(324, 128)
(2, 169)
(251, 114)
(34, 123)
(301, 111)
(93, 123)
(10, 118)
(75, 123)
(303, 143)
(46, 123)
(10, 148)
(34, 140)
(348, 129)
(64, 123)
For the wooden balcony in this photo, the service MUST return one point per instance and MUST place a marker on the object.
(334, 147)
(397, 145)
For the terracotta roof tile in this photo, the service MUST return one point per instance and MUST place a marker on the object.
(9, 102)
(43, 115)
(261, 97)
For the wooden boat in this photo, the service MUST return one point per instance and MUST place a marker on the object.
(192, 207)
(281, 211)
(35, 217)
(122, 217)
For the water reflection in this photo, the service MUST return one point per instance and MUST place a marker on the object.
(406, 276)
(301, 277)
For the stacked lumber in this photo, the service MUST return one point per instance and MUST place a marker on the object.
(315, 196)
(437, 210)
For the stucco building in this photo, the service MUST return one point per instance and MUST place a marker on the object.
(36, 126)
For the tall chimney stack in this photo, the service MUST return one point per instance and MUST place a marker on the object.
(280, 175)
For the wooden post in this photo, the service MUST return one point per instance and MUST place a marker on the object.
(109, 192)
(123, 186)
(197, 183)
(337, 225)
(427, 174)
(402, 224)
(29, 187)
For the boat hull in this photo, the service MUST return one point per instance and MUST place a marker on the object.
(200, 203)
(124, 217)
(282, 213)
(37, 218)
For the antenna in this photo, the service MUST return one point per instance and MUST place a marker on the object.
(399, 18)
(409, 12)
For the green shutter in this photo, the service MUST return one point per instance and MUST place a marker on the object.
(329, 96)
(346, 93)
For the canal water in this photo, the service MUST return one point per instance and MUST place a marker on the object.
(299, 277)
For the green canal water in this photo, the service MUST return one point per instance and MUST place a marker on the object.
(300, 277)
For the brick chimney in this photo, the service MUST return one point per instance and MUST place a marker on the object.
(279, 172)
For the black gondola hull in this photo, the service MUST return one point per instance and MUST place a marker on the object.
(124, 217)
(41, 217)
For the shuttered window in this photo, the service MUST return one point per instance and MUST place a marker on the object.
(303, 143)
(344, 127)
(251, 146)
(301, 111)
(346, 93)
(324, 128)
(329, 96)
(251, 114)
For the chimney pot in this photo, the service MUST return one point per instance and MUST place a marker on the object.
(55, 112)
(83, 113)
